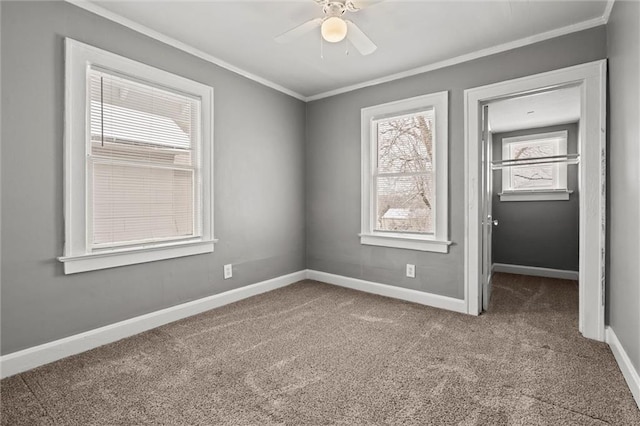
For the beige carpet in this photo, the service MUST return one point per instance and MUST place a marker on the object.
(312, 353)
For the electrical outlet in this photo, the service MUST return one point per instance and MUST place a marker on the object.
(411, 270)
(228, 271)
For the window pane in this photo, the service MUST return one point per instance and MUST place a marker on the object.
(405, 144)
(404, 203)
(543, 176)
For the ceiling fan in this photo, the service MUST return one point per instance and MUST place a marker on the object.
(333, 27)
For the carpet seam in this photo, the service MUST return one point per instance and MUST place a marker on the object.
(38, 400)
(564, 408)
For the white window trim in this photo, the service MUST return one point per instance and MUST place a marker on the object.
(77, 253)
(438, 241)
(559, 194)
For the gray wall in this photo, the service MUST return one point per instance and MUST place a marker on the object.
(333, 164)
(268, 176)
(623, 298)
(259, 183)
(537, 233)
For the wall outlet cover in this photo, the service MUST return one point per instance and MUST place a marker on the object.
(228, 271)
(411, 270)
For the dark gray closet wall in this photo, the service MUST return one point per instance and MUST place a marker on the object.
(537, 233)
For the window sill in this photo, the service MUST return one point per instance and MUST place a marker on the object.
(403, 241)
(561, 195)
(131, 256)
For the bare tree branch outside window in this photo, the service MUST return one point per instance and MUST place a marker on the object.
(405, 179)
(539, 176)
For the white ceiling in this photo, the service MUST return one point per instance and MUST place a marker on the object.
(411, 35)
(536, 110)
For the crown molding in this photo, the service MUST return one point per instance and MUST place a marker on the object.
(591, 23)
(100, 11)
(607, 11)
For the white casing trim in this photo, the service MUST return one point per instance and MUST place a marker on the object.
(36, 356)
(439, 240)
(415, 296)
(112, 259)
(624, 362)
(535, 271)
(79, 255)
(591, 79)
(405, 242)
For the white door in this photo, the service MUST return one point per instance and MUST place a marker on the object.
(488, 222)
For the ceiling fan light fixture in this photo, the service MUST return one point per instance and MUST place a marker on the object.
(334, 29)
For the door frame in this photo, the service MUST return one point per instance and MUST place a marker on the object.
(591, 78)
(486, 207)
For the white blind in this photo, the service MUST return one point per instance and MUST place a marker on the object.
(143, 162)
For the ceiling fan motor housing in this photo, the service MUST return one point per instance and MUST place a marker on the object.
(334, 8)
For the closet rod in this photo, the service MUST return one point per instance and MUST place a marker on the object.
(570, 159)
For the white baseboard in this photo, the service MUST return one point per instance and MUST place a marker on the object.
(429, 299)
(624, 362)
(535, 271)
(36, 356)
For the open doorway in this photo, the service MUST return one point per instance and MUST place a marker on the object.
(589, 81)
(531, 188)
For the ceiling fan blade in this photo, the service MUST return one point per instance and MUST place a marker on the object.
(298, 31)
(355, 5)
(359, 39)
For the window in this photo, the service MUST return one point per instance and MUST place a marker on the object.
(138, 162)
(532, 182)
(404, 174)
